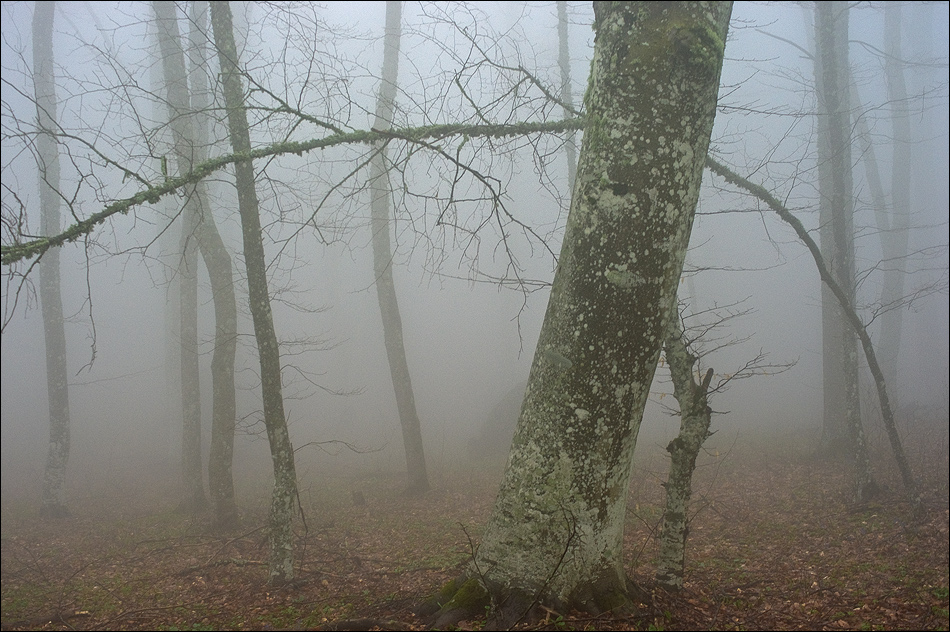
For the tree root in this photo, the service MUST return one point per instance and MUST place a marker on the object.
(467, 597)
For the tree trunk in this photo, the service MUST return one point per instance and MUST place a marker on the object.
(837, 202)
(51, 302)
(893, 230)
(282, 454)
(382, 262)
(555, 535)
(695, 417)
(189, 150)
(178, 103)
(567, 94)
(855, 322)
(836, 438)
(218, 262)
(193, 495)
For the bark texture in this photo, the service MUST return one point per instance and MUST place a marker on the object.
(695, 417)
(383, 258)
(51, 302)
(281, 566)
(555, 533)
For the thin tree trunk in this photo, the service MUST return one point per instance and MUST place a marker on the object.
(836, 190)
(853, 319)
(193, 495)
(51, 302)
(894, 233)
(835, 437)
(555, 535)
(695, 418)
(282, 454)
(218, 262)
(383, 258)
(189, 150)
(567, 93)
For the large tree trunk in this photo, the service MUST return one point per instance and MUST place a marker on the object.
(203, 231)
(555, 534)
(383, 259)
(282, 453)
(837, 209)
(51, 302)
(695, 417)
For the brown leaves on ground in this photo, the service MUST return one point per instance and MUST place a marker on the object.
(774, 544)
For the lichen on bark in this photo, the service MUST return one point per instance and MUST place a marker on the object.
(555, 534)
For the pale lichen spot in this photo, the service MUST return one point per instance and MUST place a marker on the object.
(557, 359)
(624, 278)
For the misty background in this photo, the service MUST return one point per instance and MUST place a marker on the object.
(469, 339)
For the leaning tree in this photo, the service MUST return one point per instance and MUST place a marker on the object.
(554, 537)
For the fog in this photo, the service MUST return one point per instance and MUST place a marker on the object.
(469, 339)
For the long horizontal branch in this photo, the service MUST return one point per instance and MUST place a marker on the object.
(12, 253)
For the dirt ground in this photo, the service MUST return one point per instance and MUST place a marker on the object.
(774, 544)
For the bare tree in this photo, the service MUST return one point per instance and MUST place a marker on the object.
(179, 109)
(383, 261)
(200, 230)
(841, 295)
(555, 533)
(893, 226)
(843, 434)
(695, 416)
(51, 302)
(282, 454)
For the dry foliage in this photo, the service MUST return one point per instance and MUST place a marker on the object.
(774, 544)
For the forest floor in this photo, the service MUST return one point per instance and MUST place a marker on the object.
(774, 543)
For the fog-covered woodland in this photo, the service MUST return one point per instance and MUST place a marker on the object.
(266, 261)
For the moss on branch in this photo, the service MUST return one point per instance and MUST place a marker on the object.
(12, 253)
